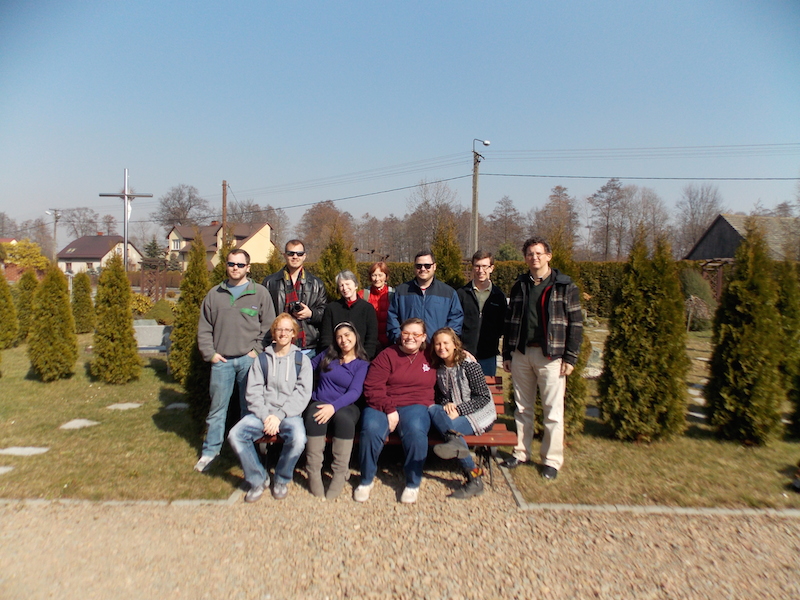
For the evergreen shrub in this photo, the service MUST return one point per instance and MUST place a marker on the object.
(8, 315)
(163, 312)
(789, 309)
(337, 256)
(82, 305)
(52, 342)
(116, 357)
(448, 256)
(23, 301)
(140, 303)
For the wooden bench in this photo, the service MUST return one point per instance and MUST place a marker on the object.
(485, 446)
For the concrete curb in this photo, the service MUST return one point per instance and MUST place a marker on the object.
(642, 510)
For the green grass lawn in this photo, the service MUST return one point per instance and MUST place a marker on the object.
(147, 453)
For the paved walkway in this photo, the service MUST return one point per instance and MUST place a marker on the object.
(304, 548)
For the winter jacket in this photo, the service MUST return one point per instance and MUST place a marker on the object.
(285, 393)
(439, 307)
(481, 331)
(312, 295)
(361, 314)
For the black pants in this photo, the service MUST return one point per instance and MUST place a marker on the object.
(342, 424)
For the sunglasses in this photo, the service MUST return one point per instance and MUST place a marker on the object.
(420, 266)
(295, 253)
(240, 265)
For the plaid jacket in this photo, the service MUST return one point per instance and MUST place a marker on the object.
(563, 318)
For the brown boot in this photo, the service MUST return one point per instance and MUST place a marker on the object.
(342, 449)
(315, 451)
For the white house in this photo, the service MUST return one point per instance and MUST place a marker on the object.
(93, 251)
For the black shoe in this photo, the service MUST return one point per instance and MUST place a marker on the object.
(549, 473)
(473, 486)
(512, 463)
(453, 447)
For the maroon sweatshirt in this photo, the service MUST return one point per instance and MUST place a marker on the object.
(399, 379)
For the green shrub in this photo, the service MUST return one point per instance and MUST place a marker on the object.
(744, 392)
(116, 358)
(789, 308)
(448, 256)
(82, 306)
(140, 303)
(8, 314)
(163, 312)
(25, 288)
(336, 257)
(52, 342)
(643, 384)
(694, 284)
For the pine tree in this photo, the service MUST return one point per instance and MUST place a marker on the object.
(26, 288)
(116, 359)
(448, 255)
(52, 343)
(82, 306)
(336, 257)
(8, 314)
(744, 392)
(643, 384)
(194, 287)
(220, 273)
(275, 262)
(174, 263)
(789, 309)
(153, 250)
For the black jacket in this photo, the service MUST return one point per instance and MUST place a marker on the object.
(312, 294)
(481, 333)
(361, 315)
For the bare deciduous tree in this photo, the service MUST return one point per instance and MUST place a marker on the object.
(557, 221)
(109, 224)
(503, 226)
(80, 221)
(317, 224)
(606, 204)
(698, 207)
(181, 205)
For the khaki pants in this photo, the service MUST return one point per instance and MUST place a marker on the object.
(530, 371)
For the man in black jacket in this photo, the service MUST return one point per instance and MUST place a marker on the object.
(300, 294)
(484, 307)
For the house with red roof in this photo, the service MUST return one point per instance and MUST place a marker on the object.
(92, 251)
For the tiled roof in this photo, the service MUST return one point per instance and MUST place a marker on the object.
(90, 247)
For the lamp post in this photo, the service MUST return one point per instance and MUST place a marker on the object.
(473, 233)
(56, 212)
(126, 199)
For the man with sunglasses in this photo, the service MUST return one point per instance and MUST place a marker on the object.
(235, 318)
(426, 298)
(300, 294)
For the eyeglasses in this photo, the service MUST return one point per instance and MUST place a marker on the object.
(284, 331)
(482, 267)
(295, 253)
(536, 254)
(410, 334)
(240, 265)
(420, 266)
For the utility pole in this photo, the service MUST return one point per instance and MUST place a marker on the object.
(56, 212)
(224, 213)
(126, 199)
(473, 231)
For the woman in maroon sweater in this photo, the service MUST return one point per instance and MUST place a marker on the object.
(399, 390)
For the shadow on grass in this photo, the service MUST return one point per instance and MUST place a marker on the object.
(159, 366)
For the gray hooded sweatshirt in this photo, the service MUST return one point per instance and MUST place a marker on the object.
(285, 394)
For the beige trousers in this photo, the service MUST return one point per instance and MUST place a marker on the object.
(530, 371)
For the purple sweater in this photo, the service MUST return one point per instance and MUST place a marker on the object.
(340, 386)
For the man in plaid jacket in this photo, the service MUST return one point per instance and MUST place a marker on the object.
(543, 334)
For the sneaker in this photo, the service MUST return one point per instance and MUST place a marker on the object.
(202, 465)
(254, 493)
(549, 473)
(362, 492)
(280, 491)
(409, 495)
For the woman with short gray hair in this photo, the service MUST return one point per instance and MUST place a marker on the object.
(351, 309)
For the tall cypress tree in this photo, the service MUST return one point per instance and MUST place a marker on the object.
(26, 288)
(52, 343)
(789, 309)
(448, 255)
(643, 384)
(82, 306)
(116, 358)
(336, 257)
(8, 314)
(744, 392)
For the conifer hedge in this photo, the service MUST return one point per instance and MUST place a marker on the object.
(52, 342)
(26, 288)
(336, 257)
(8, 314)
(643, 384)
(789, 309)
(448, 256)
(744, 392)
(116, 358)
(82, 305)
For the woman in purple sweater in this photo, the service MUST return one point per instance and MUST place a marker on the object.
(339, 374)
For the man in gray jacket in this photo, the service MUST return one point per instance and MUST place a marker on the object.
(235, 318)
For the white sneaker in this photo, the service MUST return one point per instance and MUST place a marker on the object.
(203, 463)
(409, 495)
(362, 492)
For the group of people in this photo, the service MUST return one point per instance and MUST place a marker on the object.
(383, 360)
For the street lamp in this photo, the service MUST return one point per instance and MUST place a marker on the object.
(476, 159)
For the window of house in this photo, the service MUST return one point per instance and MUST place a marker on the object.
(89, 265)
(176, 244)
(69, 267)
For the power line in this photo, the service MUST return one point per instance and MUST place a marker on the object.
(622, 178)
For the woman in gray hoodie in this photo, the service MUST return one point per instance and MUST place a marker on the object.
(278, 390)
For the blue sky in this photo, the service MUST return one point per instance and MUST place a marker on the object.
(284, 99)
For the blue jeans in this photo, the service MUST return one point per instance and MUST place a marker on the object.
(251, 428)
(223, 377)
(442, 423)
(413, 429)
(489, 365)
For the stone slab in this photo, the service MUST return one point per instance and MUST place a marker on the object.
(78, 424)
(177, 406)
(23, 450)
(4, 470)
(123, 406)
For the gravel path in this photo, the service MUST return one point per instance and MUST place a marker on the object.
(305, 548)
